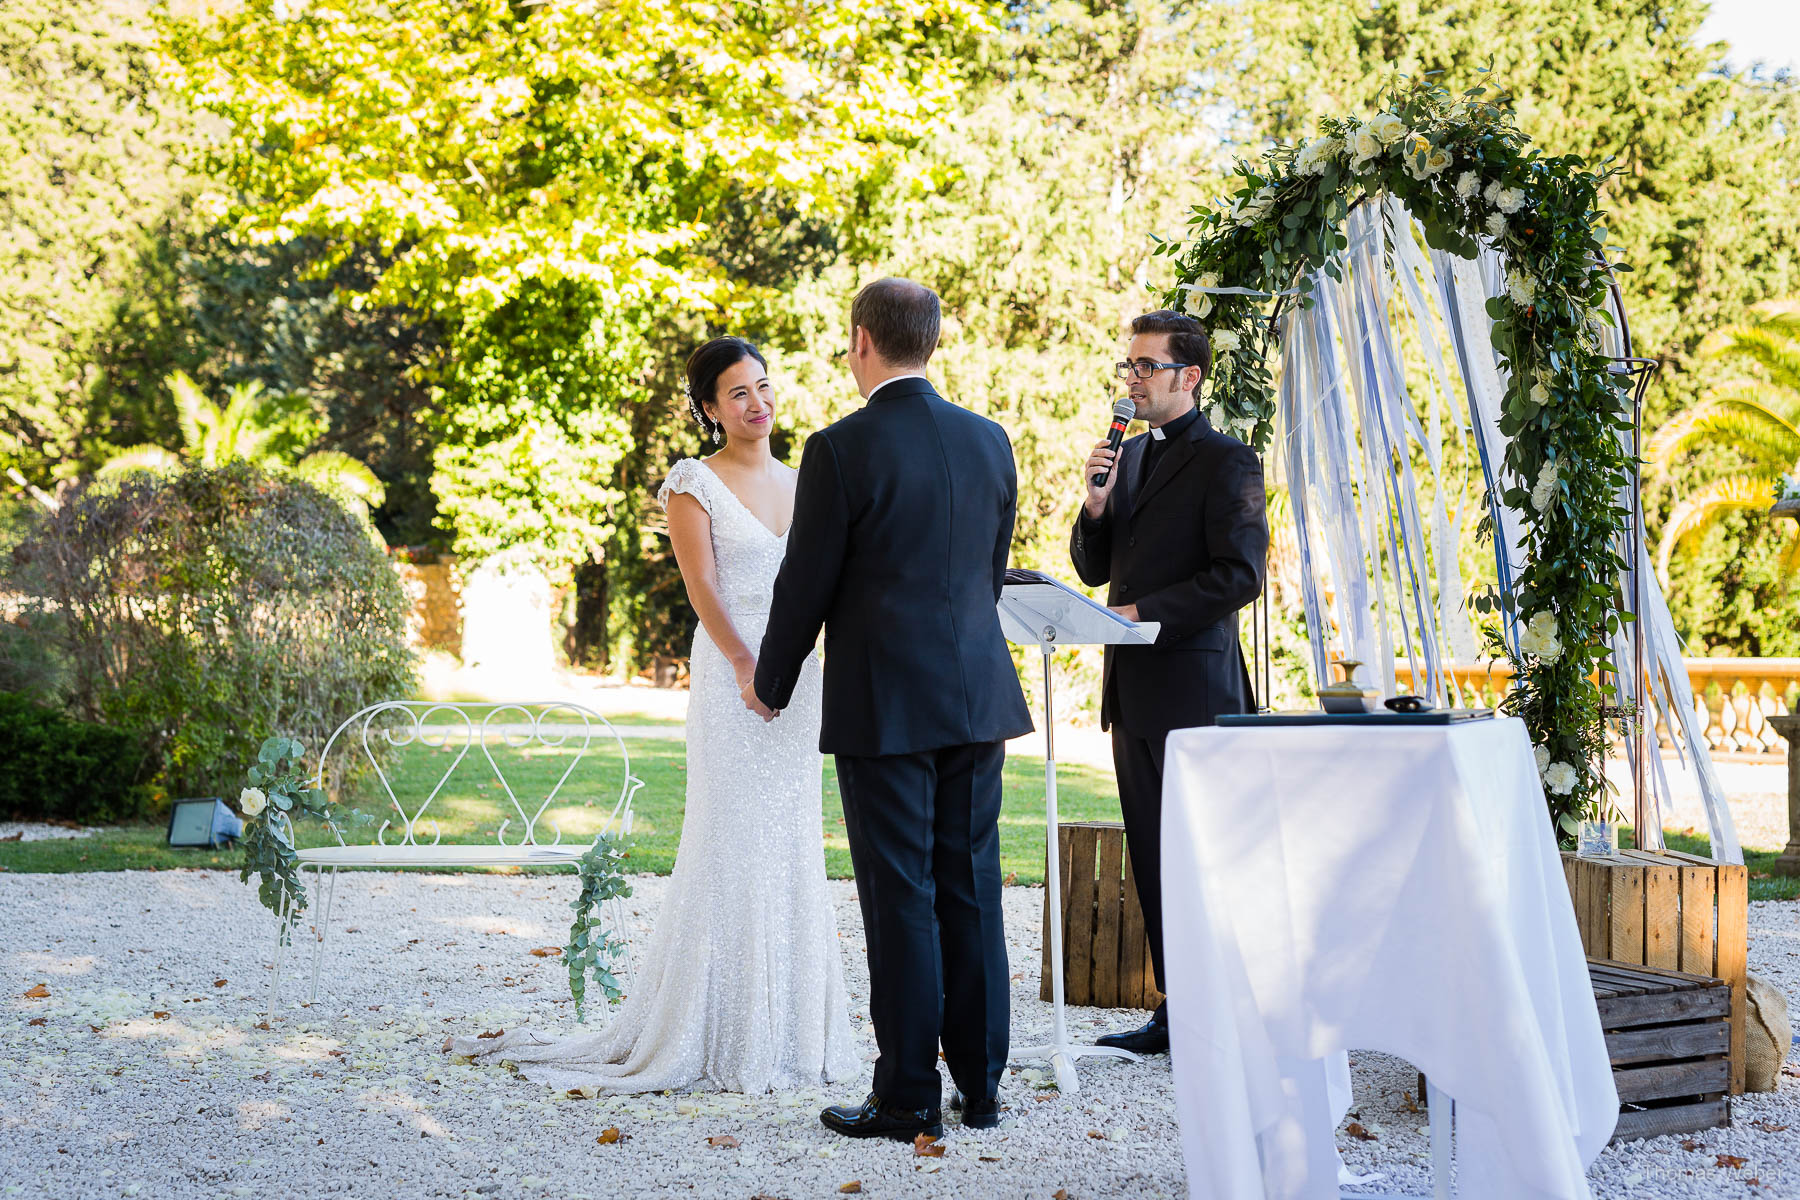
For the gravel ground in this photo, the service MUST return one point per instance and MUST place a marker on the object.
(37, 831)
(148, 1070)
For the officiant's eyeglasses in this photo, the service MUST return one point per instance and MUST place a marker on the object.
(1143, 368)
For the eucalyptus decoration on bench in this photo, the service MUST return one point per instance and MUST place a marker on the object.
(593, 948)
(276, 793)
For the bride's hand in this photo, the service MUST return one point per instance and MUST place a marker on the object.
(745, 669)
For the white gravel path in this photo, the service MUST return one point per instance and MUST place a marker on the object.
(150, 1074)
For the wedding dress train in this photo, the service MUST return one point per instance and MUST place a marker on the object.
(742, 985)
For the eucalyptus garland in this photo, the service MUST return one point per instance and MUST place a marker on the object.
(1461, 166)
(592, 948)
(278, 793)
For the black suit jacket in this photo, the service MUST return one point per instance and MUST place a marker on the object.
(1189, 546)
(903, 522)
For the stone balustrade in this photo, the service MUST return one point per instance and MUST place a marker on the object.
(1735, 697)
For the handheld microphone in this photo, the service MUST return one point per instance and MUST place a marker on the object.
(1123, 411)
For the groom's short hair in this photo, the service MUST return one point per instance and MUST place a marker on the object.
(902, 319)
(1188, 343)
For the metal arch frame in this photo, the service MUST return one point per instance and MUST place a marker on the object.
(537, 726)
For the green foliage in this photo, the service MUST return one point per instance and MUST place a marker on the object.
(592, 948)
(88, 142)
(544, 179)
(198, 609)
(65, 770)
(1466, 172)
(278, 794)
(1753, 415)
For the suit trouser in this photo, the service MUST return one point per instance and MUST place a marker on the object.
(925, 845)
(1138, 762)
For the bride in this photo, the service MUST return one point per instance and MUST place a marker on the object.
(742, 986)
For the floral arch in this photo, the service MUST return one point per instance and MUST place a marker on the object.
(1435, 228)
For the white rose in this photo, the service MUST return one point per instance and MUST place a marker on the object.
(1496, 226)
(252, 801)
(1197, 304)
(1387, 128)
(1510, 201)
(1468, 184)
(1492, 193)
(1437, 162)
(1315, 154)
(1542, 493)
(1560, 778)
(1542, 755)
(1365, 145)
(1210, 279)
(1522, 288)
(1544, 623)
(1225, 341)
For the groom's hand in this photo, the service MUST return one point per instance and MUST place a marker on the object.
(754, 703)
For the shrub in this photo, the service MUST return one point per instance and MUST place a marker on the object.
(60, 769)
(203, 609)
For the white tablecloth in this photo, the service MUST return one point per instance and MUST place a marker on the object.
(1396, 889)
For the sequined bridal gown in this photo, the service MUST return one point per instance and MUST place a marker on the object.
(741, 987)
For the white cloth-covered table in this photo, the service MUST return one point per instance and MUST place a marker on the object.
(1395, 889)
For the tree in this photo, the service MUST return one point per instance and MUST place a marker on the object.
(250, 427)
(89, 148)
(1755, 415)
(544, 178)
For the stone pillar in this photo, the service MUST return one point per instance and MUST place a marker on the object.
(1788, 726)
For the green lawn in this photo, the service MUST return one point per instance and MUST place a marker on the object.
(468, 811)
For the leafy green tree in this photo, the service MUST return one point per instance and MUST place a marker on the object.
(89, 149)
(544, 178)
(1755, 414)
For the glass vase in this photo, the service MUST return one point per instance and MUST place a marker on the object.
(1597, 839)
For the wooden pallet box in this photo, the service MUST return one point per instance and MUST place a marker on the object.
(1672, 912)
(1106, 953)
(1669, 1036)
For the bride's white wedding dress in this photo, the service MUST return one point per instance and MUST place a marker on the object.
(742, 985)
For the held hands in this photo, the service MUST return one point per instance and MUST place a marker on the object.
(754, 703)
(1104, 458)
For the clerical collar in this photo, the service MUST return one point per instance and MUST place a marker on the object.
(1176, 427)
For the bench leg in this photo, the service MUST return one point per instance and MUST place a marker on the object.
(326, 892)
(615, 917)
(283, 933)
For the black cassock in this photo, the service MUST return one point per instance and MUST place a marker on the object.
(903, 520)
(1187, 541)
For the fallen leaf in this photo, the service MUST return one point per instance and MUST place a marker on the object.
(546, 951)
(586, 1091)
(261, 1025)
(263, 1078)
(161, 1016)
(1012, 877)
(220, 982)
(1059, 1194)
(1730, 1160)
(723, 1141)
(926, 1146)
(96, 1028)
(1691, 1144)
(609, 1136)
(1767, 1127)
(39, 992)
(496, 1033)
(1355, 1130)
(37, 1021)
(851, 1188)
(988, 1158)
(14, 837)
(448, 1042)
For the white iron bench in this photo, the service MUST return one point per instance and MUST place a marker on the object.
(452, 728)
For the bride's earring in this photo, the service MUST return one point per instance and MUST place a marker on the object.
(718, 435)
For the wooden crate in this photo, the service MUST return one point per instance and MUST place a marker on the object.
(1670, 911)
(1106, 954)
(1669, 1035)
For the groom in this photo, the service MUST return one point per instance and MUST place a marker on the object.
(903, 519)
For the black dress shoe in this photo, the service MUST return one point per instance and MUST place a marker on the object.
(875, 1118)
(981, 1114)
(1151, 1038)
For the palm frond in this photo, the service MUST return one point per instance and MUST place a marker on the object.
(1770, 345)
(246, 430)
(195, 415)
(337, 472)
(140, 458)
(1736, 417)
(1700, 508)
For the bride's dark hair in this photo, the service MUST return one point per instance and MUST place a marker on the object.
(704, 366)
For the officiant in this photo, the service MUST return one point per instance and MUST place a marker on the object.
(1178, 534)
